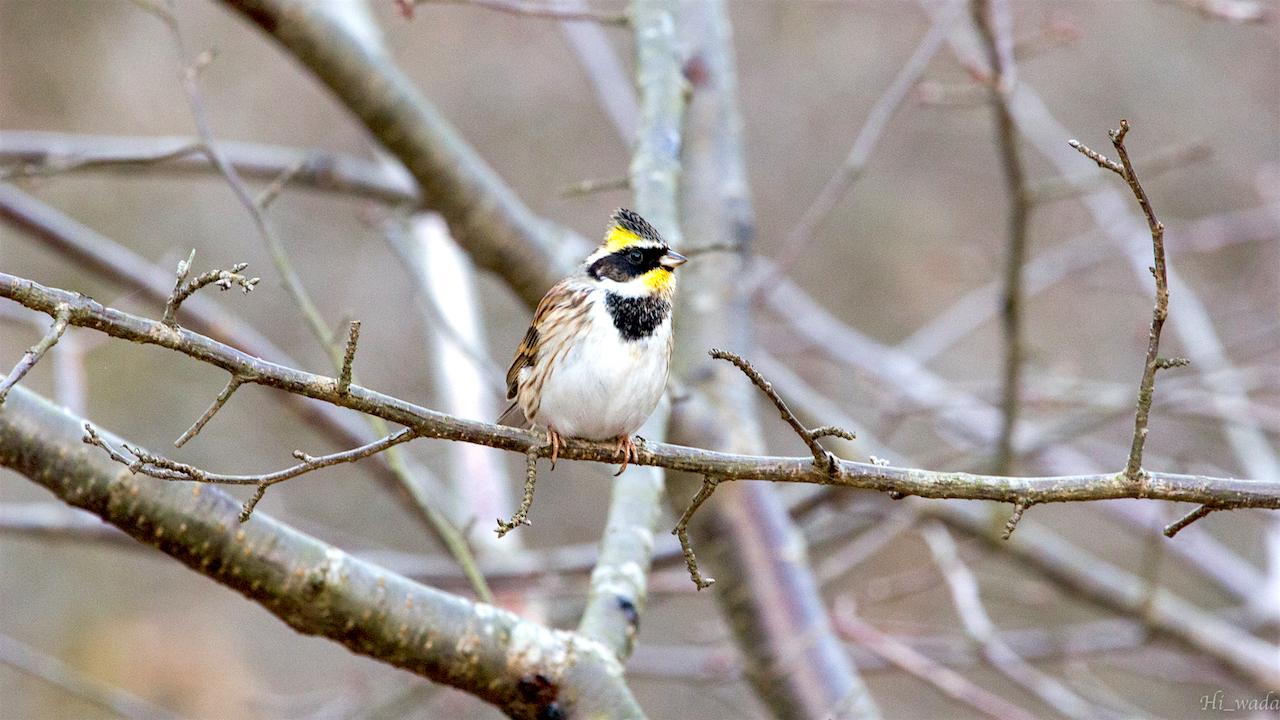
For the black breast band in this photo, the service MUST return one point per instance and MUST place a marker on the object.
(636, 317)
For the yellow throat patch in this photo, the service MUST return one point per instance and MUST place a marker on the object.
(659, 280)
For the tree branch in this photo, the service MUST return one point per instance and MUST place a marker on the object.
(992, 20)
(61, 316)
(618, 592)
(487, 219)
(45, 154)
(316, 588)
(1221, 493)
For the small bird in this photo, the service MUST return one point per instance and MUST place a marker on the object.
(594, 362)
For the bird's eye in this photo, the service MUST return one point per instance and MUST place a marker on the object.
(635, 256)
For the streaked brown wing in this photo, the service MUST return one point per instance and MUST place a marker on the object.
(526, 355)
(561, 298)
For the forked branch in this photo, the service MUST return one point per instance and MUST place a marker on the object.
(61, 317)
(1133, 470)
(822, 458)
(182, 289)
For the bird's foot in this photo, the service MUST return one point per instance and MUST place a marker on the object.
(556, 440)
(625, 448)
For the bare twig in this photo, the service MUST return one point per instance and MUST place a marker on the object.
(681, 530)
(217, 404)
(994, 32)
(344, 377)
(42, 154)
(1192, 323)
(950, 682)
(444, 527)
(50, 669)
(1133, 470)
(489, 220)
(61, 317)
(1018, 509)
(877, 119)
(964, 592)
(313, 587)
(1075, 256)
(530, 479)
(276, 186)
(526, 9)
(1092, 577)
(1197, 514)
(821, 457)
(1059, 187)
(590, 187)
(117, 264)
(165, 469)
(182, 289)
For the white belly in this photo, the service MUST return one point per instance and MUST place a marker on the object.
(606, 388)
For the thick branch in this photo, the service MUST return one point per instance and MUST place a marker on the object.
(316, 588)
(486, 218)
(619, 587)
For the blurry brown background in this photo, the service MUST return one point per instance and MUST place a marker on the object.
(923, 226)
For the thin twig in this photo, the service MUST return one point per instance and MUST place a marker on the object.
(1133, 470)
(950, 682)
(79, 684)
(978, 624)
(821, 457)
(252, 502)
(1059, 187)
(1200, 512)
(349, 357)
(1018, 509)
(165, 469)
(217, 404)
(48, 167)
(182, 289)
(61, 318)
(681, 530)
(526, 9)
(41, 154)
(1000, 85)
(276, 186)
(877, 120)
(530, 479)
(1094, 578)
(590, 187)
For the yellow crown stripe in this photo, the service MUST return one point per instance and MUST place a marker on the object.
(619, 237)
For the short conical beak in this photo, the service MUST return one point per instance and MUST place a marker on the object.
(672, 259)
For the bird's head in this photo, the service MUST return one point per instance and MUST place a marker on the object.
(633, 260)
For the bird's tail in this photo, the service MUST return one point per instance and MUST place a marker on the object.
(514, 417)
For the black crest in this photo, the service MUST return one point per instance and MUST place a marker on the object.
(632, 221)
